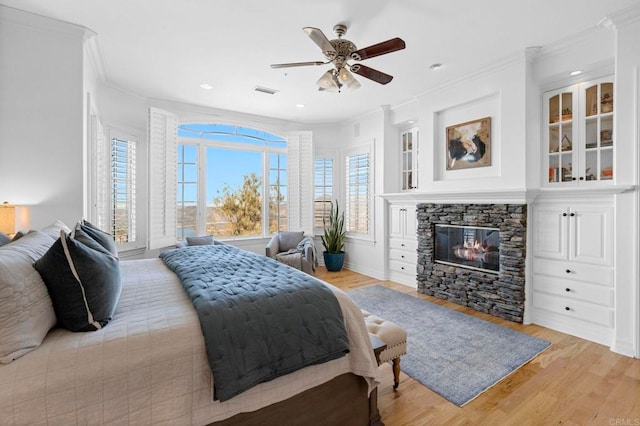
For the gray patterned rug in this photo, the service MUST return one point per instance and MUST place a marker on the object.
(455, 355)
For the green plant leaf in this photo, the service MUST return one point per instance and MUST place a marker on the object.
(333, 238)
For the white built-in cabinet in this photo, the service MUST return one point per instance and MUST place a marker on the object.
(403, 243)
(409, 159)
(573, 274)
(578, 134)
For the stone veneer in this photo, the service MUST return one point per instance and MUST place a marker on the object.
(500, 295)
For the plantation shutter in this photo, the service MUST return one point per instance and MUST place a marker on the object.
(300, 181)
(101, 202)
(358, 192)
(163, 137)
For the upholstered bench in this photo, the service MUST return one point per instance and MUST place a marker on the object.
(394, 339)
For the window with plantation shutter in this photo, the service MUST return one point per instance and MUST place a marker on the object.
(358, 192)
(123, 189)
(322, 192)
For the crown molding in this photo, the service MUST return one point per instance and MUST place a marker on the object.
(94, 53)
(566, 45)
(504, 63)
(621, 18)
(43, 23)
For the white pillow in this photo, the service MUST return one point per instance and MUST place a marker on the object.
(26, 312)
(54, 229)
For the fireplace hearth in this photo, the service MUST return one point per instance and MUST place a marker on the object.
(452, 270)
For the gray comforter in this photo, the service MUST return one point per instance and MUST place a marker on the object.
(260, 319)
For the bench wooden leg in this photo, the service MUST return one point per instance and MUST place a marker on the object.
(396, 373)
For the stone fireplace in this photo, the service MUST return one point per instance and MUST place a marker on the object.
(499, 293)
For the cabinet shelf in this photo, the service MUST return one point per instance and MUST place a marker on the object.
(579, 137)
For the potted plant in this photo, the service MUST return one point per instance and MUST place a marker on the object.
(333, 239)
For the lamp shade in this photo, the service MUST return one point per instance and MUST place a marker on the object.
(12, 218)
(8, 219)
(328, 82)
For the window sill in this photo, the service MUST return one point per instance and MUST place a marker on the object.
(362, 241)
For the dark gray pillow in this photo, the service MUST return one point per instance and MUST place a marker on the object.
(205, 240)
(289, 239)
(83, 281)
(103, 238)
(4, 239)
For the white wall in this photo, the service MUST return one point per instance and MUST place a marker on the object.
(41, 116)
(498, 93)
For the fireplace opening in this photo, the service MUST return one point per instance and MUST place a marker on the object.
(468, 247)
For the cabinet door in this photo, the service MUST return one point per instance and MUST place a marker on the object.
(396, 221)
(550, 232)
(561, 136)
(597, 141)
(409, 159)
(590, 234)
(411, 223)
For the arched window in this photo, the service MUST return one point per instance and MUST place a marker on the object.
(231, 181)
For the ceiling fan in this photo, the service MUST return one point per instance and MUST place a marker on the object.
(338, 52)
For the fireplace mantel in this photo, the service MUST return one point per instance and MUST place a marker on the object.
(504, 196)
(479, 196)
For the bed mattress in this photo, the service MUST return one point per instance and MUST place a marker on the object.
(149, 365)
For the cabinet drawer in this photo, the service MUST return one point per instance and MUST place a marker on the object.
(600, 275)
(403, 267)
(573, 309)
(403, 244)
(574, 290)
(403, 256)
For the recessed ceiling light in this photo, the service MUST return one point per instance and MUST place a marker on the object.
(576, 72)
(435, 67)
(411, 121)
(206, 86)
(299, 106)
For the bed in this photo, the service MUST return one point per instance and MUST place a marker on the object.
(149, 366)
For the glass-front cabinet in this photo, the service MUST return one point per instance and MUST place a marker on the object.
(578, 133)
(409, 158)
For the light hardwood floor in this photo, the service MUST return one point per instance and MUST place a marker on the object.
(573, 382)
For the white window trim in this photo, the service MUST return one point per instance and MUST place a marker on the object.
(202, 145)
(367, 148)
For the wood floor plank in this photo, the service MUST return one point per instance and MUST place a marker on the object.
(573, 382)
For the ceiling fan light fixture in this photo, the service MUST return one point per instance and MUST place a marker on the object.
(329, 82)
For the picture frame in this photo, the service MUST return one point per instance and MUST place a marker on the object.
(468, 144)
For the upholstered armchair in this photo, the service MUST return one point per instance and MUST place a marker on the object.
(294, 249)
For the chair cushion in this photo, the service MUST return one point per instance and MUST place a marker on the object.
(289, 239)
(391, 334)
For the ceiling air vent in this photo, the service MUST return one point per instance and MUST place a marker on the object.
(265, 90)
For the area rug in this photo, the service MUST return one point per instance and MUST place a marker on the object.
(455, 355)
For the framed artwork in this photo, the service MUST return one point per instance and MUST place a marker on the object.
(469, 144)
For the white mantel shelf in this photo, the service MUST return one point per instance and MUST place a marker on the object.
(480, 196)
(505, 196)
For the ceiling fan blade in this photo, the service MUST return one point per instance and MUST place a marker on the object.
(297, 64)
(371, 74)
(378, 49)
(318, 37)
